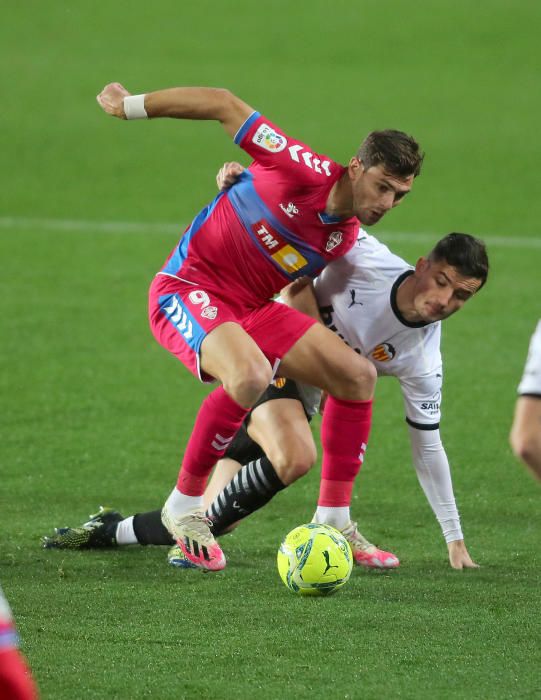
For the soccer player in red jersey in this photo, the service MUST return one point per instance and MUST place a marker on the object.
(291, 213)
(15, 679)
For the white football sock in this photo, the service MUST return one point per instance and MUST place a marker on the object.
(337, 517)
(125, 534)
(179, 503)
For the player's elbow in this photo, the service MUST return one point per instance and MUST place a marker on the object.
(230, 110)
(527, 447)
(225, 97)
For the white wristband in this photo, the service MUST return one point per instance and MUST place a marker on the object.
(134, 107)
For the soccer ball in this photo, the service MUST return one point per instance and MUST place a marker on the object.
(315, 559)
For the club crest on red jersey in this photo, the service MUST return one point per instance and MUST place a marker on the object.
(209, 312)
(334, 241)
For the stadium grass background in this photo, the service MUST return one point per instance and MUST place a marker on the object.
(94, 411)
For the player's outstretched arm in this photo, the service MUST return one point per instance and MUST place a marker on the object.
(177, 103)
(434, 474)
(459, 557)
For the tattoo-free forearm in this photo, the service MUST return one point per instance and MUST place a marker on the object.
(199, 103)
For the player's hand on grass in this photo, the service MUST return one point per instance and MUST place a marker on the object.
(228, 174)
(459, 557)
(111, 99)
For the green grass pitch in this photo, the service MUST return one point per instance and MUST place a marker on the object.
(95, 412)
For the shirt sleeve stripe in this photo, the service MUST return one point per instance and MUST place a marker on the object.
(422, 426)
(244, 128)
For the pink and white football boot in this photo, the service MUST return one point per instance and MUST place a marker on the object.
(192, 533)
(367, 554)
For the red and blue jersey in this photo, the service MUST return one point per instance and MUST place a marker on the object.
(8, 634)
(270, 227)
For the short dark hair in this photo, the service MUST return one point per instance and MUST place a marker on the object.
(468, 255)
(399, 153)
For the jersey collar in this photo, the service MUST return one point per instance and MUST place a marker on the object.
(394, 305)
(329, 218)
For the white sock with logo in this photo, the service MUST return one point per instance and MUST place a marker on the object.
(179, 503)
(337, 517)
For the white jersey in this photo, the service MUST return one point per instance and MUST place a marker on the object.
(530, 384)
(357, 299)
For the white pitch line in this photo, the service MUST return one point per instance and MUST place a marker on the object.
(491, 241)
(163, 228)
(88, 226)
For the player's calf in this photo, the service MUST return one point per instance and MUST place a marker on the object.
(250, 489)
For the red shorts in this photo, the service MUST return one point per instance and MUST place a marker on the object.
(182, 314)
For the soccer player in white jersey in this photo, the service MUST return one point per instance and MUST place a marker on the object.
(386, 310)
(526, 431)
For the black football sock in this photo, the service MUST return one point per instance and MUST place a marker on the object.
(253, 486)
(149, 529)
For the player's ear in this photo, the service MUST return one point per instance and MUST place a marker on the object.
(422, 265)
(355, 167)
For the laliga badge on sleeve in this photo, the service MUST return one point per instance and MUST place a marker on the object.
(269, 139)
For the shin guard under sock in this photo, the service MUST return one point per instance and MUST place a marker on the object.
(216, 425)
(344, 436)
(250, 489)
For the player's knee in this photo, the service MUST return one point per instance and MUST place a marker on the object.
(293, 460)
(247, 384)
(358, 381)
(294, 469)
(367, 376)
